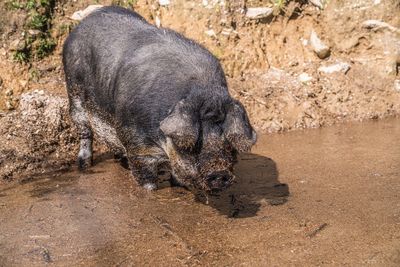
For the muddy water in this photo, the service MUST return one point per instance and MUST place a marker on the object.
(317, 197)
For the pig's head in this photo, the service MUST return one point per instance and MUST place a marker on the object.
(202, 141)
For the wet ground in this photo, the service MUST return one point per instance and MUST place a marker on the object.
(316, 197)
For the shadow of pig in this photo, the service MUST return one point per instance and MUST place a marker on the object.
(256, 182)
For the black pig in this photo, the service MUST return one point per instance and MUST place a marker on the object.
(154, 96)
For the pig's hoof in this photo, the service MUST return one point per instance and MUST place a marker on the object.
(150, 186)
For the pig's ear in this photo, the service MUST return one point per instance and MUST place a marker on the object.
(237, 128)
(181, 125)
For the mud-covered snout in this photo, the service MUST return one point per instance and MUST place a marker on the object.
(218, 181)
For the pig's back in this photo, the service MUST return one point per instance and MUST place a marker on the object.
(136, 68)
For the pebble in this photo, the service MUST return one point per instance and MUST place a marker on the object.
(33, 32)
(164, 2)
(16, 45)
(305, 78)
(397, 85)
(377, 24)
(79, 15)
(210, 33)
(318, 46)
(259, 12)
(318, 3)
(338, 67)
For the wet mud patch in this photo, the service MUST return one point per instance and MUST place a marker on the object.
(335, 203)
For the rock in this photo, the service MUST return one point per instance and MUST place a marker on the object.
(33, 32)
(318, 3)
(210, 33)
(318, 46)
(164, 2)
(338, 67)
(226, 31)
(305, 78)
(397, 85)
(79, 15)
(377, 25)
(16, 45)
(158, 21)
(259, 12)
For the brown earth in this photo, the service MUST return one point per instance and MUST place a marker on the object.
(263, 59)
(311, 198)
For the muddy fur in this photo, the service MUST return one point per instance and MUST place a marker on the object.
(154, 96)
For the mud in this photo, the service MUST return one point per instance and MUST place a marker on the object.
(314, 197)
(36, 137)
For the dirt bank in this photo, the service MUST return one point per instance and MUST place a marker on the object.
(270, 62)
(316, 197)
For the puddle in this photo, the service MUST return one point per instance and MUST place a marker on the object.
(306, 198)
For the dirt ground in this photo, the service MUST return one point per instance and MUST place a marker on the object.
(270, 63)
(315, 197)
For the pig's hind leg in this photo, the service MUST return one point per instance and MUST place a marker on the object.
(80, 117)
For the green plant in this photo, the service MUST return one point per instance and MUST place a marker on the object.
(44, 47)
(21, 56)
(30, 4)
(14, 5)
(38, 21)
(280, 4)
(46, 3)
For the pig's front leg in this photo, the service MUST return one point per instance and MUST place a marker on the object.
(145, 170)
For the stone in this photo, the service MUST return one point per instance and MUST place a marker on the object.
(17, 44)
(164, 2)
(33, 32)
(79, 15)
(318, 3)
(210, 33)
(318, 46)
(305, 78)
(373, 24)
(397, 85)
(259, 12)
(158, 21)
(338, 67)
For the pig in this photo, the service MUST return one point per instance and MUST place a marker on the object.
(156, 97)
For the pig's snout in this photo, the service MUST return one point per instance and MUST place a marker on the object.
(218, 181)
